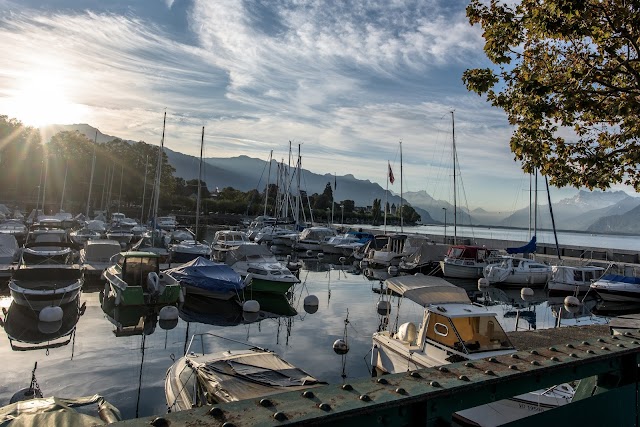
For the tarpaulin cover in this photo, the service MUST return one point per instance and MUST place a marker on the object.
(55, 411)
(529, 248)
(208, 275)
(426, 290)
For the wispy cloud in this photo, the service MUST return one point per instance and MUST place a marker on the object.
(348, 79)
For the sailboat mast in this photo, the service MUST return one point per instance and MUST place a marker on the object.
(64, 185)
(535, 206)
(120, 192)
(159, 175)
(144, 188)
(455, 202)
(401, 204)
(93, 167)
(297, 215)
(199, 189)
(553, 221)
(386, 198)
(266, 190)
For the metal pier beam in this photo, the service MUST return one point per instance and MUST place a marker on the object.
(607, 366)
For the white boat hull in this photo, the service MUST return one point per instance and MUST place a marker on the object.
(461, 271)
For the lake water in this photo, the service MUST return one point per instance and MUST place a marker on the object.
(96, 360)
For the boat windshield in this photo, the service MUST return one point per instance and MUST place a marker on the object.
(468, 334)
(138, 268)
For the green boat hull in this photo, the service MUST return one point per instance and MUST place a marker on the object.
(269, 286)
(135, 295)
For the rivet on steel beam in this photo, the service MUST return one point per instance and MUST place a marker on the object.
(634, 342)
(228, 424)
(324, 406)
(514, 367)
(604, 348)
(160, 422)
(555, 359)
(400, 390)
(515, 356)
(573, 355)
(620, 345)
(591, 351)
(464, 378)
(627, 334)
(415, 375)
(469, 365)
(215, 412)
(434, 384)
(535, 363)
(308, 394)
(266, 403)
(534, 352)
(615, 338)
(585, 343)
(489, 372)
(443, 369)
(382, 381)
(570, 346)
(279, 416)
(600, 340)
(347, 387)
(553, 349)
(493, 360)
(365, 398)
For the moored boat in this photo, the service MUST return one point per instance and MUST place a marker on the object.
(257, 265)
(208, 278)
(573, 280)
(617, 288)
(516, 271)
(467, 261)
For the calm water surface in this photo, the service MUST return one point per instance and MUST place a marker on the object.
(96, 360)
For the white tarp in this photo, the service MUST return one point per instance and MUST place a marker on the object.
(426, 290)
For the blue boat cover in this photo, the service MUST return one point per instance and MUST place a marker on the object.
(621, 279)
(206, 274)
(529, 248)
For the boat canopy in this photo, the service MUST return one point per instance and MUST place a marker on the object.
(249, 253)
(205, 274)
(59, 411)
(427, 290)
(621, 279)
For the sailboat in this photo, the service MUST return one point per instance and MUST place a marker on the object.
(190, 249)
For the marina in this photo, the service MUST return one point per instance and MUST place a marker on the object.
(123, 352)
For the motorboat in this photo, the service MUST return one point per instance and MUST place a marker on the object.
(468, 261)
(46, 245)
(188, 250)
(258, 224)
(259, 267)
(202, 379)
(14, 227)
(120, 233)
(516, 271)
(225, 240)
(312, 238)
(9, 250)
(425, 259)
(43, 285)
(168, 223)
(573, 280)
(617, 288)
(96, 255)
(207, 278)
(385, 250)
(134, 278)
(156, 241)
(453, 329)
(276, 235)
(344, 244)
(82, 235)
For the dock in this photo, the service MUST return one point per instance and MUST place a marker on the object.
(606, 365)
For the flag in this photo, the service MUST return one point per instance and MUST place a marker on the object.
(391, 178)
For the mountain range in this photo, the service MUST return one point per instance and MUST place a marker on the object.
(587, 211)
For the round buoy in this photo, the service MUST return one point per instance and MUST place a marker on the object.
(309, 253)
(311, 300)
(384, 308)
(572, 304)
(392, 270)
(250, 316)
(49, 327)
(251, 306)
(311, 309)
(168, 312)
(342, 259)
(526, 293)
(50, 314)
(341, 347)
(483, 283)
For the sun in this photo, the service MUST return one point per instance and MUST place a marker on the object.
(41, 98)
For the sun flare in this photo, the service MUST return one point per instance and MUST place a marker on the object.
(42, 98)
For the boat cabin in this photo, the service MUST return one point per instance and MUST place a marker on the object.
(475, 253)
(453, 328)
(136, 266)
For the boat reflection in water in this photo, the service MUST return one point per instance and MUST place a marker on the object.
(30, 330)
(138, 319)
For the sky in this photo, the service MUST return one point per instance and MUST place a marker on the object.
(357, 84)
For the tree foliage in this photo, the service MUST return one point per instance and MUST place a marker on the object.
(568, 76)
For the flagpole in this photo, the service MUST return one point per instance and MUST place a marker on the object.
(386, 196)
